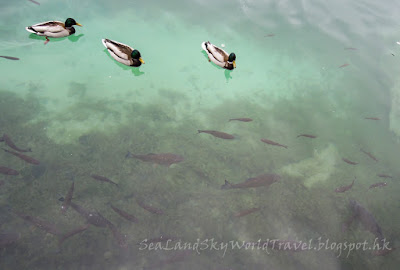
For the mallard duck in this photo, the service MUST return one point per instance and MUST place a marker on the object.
(123, 53)
(54, 29)
(218, 56)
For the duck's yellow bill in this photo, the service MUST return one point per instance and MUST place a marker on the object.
(141, 60)
(234, 64)
(78, 24)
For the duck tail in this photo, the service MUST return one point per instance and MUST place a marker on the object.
(104, 40)
(204, 45)
(30, 29)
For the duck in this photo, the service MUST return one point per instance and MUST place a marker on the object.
(218, 56)
(54, 29)
(123, 53)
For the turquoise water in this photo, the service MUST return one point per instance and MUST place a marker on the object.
(81, 112)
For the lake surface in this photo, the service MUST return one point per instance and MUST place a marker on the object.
(329, 70)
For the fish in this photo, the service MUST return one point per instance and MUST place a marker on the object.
(258, 181)
(35, 2)
(344, 65)
(11, 144)
(366, 219)
(149, 208)
(124, 214)
(241, 119)
(347, 223)
(380, 184)
(349, 161)
(372, 118)
(273, 143)
(344, 188)
(92, 217)
(69, 234)
(384, 176)
(8, 171)
(96, 219)
(67, 199)
(103, 179)
(9, 57)
(118, 236)
(24, 157)
(218, 134)
(246, 212)
(7, 238)
(41, 224)
(369, 154)
(166, 159)
(307, 135)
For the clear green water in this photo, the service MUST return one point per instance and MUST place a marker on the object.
(81, 112)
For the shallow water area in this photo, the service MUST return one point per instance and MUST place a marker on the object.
(320, 80)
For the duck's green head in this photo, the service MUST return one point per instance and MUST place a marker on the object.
(136, 55)
(70, 22)
(231, 59)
